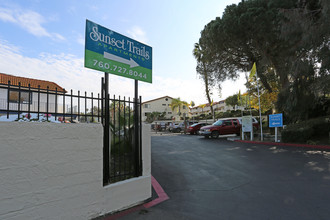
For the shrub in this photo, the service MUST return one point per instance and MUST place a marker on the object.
(306, 130)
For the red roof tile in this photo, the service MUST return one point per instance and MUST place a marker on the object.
(34, 83)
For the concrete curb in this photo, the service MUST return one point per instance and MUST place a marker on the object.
(323, 147)
(162, 196)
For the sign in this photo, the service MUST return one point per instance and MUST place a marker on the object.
(247, 123)
(111, 52)
(276, 120)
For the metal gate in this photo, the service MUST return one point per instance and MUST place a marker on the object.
(121, 120)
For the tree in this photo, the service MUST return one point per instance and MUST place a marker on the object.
(192, 104)
(268, 98)
(178, 104)
(205, 72)
(152, 116)
(232, 100)
(274, 34)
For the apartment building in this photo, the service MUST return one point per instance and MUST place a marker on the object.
(161, 105)
(217, 106)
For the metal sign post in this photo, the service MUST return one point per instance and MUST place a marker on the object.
(136, 125)
(276, 121)
(106, 136)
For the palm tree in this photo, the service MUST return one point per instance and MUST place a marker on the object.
(203, 71)
(192, 104)
(178, 104)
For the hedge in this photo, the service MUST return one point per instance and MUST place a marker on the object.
(303, 131)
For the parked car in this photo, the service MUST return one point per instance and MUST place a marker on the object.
(178, 127)
(194, 128)
(159, 126)
(221, 127)
(172, 125)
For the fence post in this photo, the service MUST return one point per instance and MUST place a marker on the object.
(78, 105)
(29, 102)
(8, 97)
(38, 102)
(55, 103)
(92, 108)
(47, 107)
(19, 100)
(106, 143)
(140, 136)
(136, 129)
(71, 117)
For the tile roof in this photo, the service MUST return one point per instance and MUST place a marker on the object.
(34, 83)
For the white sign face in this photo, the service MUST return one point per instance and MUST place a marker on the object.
(247, 123)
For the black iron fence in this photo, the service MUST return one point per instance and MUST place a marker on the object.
(17, 99)
(125, 146)
(123, 159)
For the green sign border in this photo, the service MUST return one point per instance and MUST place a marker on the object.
(94, 56)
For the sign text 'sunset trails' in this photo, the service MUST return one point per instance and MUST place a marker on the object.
(121, 44)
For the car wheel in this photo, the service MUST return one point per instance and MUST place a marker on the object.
(215, 134)
(206, 136)
(192, 133)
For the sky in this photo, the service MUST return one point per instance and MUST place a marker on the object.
(45, 40)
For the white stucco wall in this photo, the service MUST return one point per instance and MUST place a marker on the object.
(54, 171)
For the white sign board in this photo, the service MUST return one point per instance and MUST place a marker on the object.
(247, 123)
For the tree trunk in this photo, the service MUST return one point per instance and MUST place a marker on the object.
(207, 91)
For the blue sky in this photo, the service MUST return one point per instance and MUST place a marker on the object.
(45, 40)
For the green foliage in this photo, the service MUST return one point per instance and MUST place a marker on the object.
(303, 131)
(232, 100)
(288, 36)
(177, 104)
(152, 116)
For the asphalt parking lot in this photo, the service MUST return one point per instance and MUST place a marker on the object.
(220, 179)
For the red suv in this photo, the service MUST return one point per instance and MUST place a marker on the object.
(221, 127)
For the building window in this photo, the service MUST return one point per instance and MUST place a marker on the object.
(163, 104)
(166, 99)
(169, 113)
(147, 106)
(14, 97)
(184, 107)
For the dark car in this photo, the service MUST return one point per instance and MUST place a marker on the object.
(221, 127)
(194, 128)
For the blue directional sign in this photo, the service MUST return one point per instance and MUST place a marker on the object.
(276, 120)
(111, 52)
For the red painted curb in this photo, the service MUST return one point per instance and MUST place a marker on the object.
(162, 196)
(325, 147)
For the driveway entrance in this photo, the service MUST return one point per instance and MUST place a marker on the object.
(219, 179)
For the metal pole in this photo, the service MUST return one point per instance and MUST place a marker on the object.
(276, 134)
(106, 142)
(261, 138)
(136, 128)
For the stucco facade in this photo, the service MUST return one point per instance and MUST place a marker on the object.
(161, 105)
(55, 171)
